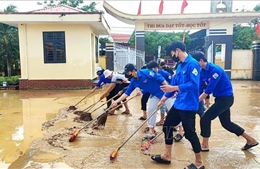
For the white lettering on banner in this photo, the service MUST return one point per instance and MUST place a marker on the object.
(176, 26)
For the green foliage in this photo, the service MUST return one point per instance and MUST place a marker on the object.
(103, 40)
(12, 80)
(9, 45)
(243, 37)
(163, 39)
(73, 3)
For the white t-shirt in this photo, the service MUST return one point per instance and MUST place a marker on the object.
(119, 78)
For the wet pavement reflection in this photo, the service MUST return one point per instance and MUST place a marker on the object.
(25, 143)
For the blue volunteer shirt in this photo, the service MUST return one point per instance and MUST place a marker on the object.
(167, 76)
(203, 81)
(103, 80)
(218, 82)
(149, 81)
(187, 78)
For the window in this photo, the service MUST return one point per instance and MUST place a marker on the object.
(54, 47)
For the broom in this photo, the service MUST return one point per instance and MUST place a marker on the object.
(88, 108)
(103, 118)
(74, 107)
(87, 115)
(113, 155)
(76, 133)
(147, 143)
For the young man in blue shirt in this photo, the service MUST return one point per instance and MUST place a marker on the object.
(220, 86)
(186, 105)
(149, 81)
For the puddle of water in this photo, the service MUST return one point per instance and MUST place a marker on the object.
(24, 143)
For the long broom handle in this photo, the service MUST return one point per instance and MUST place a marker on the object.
(91, 106)
(138, 128)
(104, 103)
(105, 112)
(84, 98)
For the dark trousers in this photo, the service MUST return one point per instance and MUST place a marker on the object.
(220, 109)
(144, 101)
(115, 91)
(173, 118)
(201, 108)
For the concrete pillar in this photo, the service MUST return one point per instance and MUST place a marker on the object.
(110, 56)
(215, 37)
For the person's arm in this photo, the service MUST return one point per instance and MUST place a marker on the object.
(215, 76)
(123, 97)
(110, 88)
(162, 101)
(203, 96)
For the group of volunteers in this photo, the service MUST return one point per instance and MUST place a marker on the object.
(182, 94)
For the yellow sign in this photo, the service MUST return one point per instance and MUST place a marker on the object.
(176, 26)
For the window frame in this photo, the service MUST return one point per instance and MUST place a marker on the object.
(55, 41)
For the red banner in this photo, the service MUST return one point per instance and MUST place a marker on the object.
(184, 4)
(161, 7)
(258, 29)
(139, 9)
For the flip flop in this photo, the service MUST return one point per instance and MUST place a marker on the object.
(125, 113)
(193, 166)
(248, 146)
(159, 123)
(177, 137)
(159, 159)
(142, 118)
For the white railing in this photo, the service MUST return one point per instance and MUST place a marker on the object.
(124, 55)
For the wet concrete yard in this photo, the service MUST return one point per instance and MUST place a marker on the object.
(35, 128)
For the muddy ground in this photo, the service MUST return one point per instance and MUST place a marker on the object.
(91, 149)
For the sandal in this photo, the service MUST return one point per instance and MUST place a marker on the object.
(193, 166)
(159, 159)
(142, 118)
(125, 113)
(159, 123)
(248, 146)
(177, 137)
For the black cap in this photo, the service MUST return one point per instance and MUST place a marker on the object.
(129, 67)
(152, 64)
(162, 63)
(175, 45)
(198, 56)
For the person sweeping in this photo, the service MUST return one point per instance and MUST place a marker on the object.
(149, 81)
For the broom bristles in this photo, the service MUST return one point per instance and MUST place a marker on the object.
(74, 135)
(113, 154)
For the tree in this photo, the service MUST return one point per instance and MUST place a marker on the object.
(244, 35)
(9, 43)
(73, 3)
(163, 39)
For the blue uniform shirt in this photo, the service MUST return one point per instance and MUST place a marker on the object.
(218, 81)
(187, 78)
(149, 81)
(103, 80)
(167, 76)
